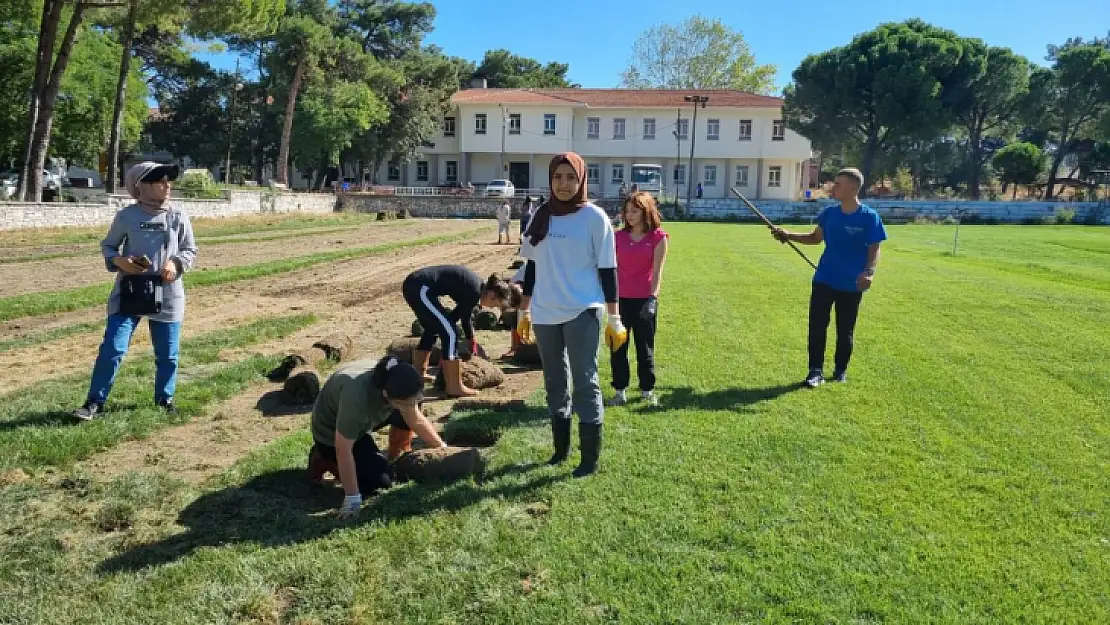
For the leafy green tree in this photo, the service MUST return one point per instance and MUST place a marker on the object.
(889, 84)
(1019, 163)
(700, 53)
(502, 68)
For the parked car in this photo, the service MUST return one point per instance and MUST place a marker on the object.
(500, 188)
(49, 180)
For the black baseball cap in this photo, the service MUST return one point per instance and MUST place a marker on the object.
(158, 172)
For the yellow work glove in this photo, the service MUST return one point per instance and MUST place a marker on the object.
(524, 327)
(615, 334)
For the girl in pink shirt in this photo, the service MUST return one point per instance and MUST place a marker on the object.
(641, 252)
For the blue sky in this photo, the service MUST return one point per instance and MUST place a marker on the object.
(596, 37)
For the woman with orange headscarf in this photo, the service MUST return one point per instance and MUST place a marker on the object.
(570, 279)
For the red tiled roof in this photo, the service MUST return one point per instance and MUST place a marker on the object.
(612, 98)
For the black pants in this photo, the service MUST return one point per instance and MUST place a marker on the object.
(821, 302)
(434, 318)
(371, 466)
(642, 333)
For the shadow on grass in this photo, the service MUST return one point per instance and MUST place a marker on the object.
(724, 399)
(284, 508)
(59, 418)
(273, 404)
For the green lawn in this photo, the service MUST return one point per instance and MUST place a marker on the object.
(960, 477)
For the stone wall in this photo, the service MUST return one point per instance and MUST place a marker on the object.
(14, 215)
(426, 206)
(1009, 212)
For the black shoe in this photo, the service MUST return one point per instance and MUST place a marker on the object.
(91, 410)
(560, 435)
(167, 405)
(589, 437)
(840, 376)
(814, 379)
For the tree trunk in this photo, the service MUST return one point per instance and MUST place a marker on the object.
(48, 32)
(869, 153)
(1057, 160)
(40, 142)
(121, 94)
(1015, 192)
(975, 147)
(287, 127)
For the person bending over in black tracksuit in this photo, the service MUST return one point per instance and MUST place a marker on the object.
(422, 290)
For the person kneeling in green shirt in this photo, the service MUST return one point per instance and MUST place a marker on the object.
(357, 399)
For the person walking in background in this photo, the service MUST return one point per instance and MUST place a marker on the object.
(149, 246)
(852, 233)
(641, 253)
(504, 216)
(570, 278)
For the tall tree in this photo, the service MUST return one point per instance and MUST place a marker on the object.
(988, 95)
(304, 40)
(1019, 163)
(202, 19)
(1073, 97)
(388, 29)
(700, 53)
(887, 84)
(502, 68)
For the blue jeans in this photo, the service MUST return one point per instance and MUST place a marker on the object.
(166, 337)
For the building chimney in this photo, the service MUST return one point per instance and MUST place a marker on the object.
(478, 83)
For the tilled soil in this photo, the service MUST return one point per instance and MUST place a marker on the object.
(65, 273)
(360, 298)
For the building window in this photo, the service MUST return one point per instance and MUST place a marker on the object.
(713, 129)
(449, 126)
(649, 128)
(778, 131)
(593, 173)
(514, 123)
(394, 172)
(593, 127)
(774, 176)
(618, 128)
(548, 123)
(680, 174)
(451, 171)
(683, 129)
(710, 175)
(480, 123)
(745, 130)
(618, 173)
(422, 171)
(741, 175)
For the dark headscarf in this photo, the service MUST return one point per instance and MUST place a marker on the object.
(541, 221)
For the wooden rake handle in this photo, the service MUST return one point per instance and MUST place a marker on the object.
(770, 225)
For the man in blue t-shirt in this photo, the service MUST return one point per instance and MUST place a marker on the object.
(852, 233)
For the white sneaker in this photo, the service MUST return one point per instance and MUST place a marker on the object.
(619, 399)
(650, 398)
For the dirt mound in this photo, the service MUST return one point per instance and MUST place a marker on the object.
(486, 320)
(477, 373)
(439, 465)
(302, 387)
(337, 347)
(303, 358)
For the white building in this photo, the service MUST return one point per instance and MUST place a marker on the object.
(739, 140)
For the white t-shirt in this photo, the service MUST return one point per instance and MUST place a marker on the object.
(503, 213)
(567, 260)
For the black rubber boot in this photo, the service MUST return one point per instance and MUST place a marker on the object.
(589, 436)
(560, 434)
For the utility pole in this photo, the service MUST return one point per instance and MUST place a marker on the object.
(231, 122)
(504, 116)
(696, 100)
(678, 149)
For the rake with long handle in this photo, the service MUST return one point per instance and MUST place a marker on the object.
(771, 225)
